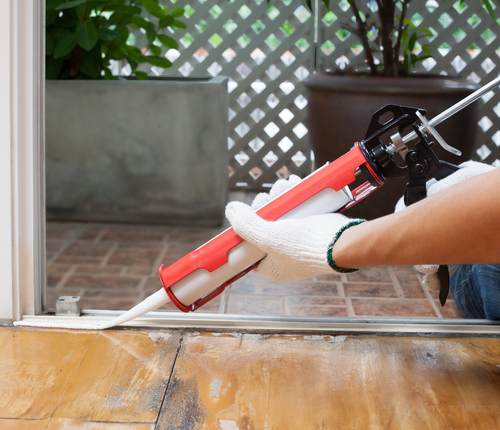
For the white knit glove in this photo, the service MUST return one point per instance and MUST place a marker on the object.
(296, 248)
(279, 187)
(467, 170)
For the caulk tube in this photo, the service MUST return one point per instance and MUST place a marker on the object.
(201, 285)
(204, 273)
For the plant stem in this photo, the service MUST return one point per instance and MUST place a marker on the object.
(85, 11)
(364, 38)
(386, 13)
(401, 28)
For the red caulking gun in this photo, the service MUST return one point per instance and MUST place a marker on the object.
(204, 273)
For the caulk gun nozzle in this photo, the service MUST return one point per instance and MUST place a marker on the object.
(149, 304)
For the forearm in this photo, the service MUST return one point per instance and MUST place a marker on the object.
(459, 225)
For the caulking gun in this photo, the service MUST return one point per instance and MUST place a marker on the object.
(394, 148)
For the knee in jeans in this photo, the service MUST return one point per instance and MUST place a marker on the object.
(487, 280)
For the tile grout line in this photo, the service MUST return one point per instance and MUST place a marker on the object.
(100, 235)
(283, 306)
(429, 297)
(69, 241)
(66, 276)
(224, 300)
(106, 258)
(286, 306)
(395, 283)
(165, 240)
(181, 340)
(140, 287)
(340, 289)
(161, 256)
(350, 308)
(347, 300)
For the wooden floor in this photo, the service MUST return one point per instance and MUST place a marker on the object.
(138, 380)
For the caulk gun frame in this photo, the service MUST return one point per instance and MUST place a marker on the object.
(455, 108)
(437, 136)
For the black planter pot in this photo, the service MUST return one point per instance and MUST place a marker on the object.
(340, 109)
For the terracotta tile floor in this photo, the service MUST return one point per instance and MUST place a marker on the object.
(55, 379)
(114, 266)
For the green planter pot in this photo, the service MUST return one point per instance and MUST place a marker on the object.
(340, 109)
(137, 151)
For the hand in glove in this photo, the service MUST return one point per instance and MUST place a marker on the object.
(296, 248)
(467, 170)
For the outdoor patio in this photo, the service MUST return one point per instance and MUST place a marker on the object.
(114, 266)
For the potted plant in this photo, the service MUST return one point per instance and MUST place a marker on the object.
(84, 36)
(341, 103)
(135, 149)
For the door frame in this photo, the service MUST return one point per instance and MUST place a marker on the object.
(22, 218)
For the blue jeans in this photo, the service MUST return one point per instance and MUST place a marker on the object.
(476, 290)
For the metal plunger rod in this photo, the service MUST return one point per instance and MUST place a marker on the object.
(455, 108)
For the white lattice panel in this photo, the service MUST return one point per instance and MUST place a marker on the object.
(467, 44)
(266, 51)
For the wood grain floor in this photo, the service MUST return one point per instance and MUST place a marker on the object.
(138, 380)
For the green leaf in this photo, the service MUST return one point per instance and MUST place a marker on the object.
(91, 66)
(327, 4)
(427, 32)
(108, 75)
(404, 36)
(139, 21)
(125, 34)
(49, 44)
(179, 24)
(50, 17)
(52, 67)
(65, 45)
(153, 8)
(143, 76)
(81, 11)
(412, 41)
(176, 12)
(309, 5)
(70, 4)
(115, 54)
(489, 8)
(168, 42)
(155, 50)
(165, 22)
(132, 52)
(158, 61)
(151, 32)
(59, 33)
(414, 60)
(120, 18)
(130, 10)
(406, 64)
(408, 23)
(52, 4)
(133, 64)
(107, 34)
(427, 49)
(87, 35)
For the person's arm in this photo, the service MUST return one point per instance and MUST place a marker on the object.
(459, 225)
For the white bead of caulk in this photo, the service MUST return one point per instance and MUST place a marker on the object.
(147, 305)
(71, 326)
